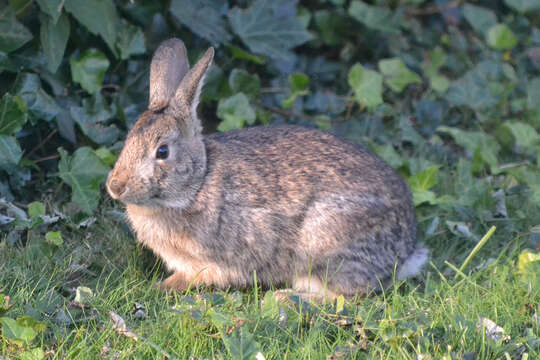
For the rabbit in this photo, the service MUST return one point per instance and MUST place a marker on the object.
(287, 205)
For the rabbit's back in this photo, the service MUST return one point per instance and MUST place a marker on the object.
(280, 199)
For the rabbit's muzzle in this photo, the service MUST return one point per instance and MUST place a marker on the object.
(116, 186)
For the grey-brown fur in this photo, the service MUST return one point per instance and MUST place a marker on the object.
(286, 202)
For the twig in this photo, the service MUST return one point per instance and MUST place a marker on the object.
(42, 142)
(434, 9)
(21, 10)
(478, 246)
(50, 157)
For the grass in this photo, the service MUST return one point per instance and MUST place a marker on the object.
(434, 316)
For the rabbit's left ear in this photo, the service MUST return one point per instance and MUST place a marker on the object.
(189, 91)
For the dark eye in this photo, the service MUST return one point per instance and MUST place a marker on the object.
(162, 152)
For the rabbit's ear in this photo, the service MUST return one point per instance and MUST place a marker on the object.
(189, 91)
(169, 66)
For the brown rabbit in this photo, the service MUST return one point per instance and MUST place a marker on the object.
(294, 205)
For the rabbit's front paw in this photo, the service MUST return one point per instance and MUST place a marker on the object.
(176, 281)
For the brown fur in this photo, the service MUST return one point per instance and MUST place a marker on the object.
(286, 202)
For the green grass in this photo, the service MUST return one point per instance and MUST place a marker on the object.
(434, 315)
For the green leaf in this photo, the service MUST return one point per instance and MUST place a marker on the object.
(241, 344)
(241, 81)
(204, 18)
(39, 103)
(10, 153)
(367, 86)
(106, 156)
(54, 238)
(13, 34)
(6, 64)
(439, 83)
(480, 18)
(421, 182)
(89, 70)
(480, 88)
(524, 135)
(269, 27)
(269, 306)
(84, 295)
(500, 37)
(130, 41)
(53, 8)
(219, 319)
(524, 6)
(83, 172)
(396, 75)
(475, 142)
(332, 25)
(238, 53)
(533, 94)
(98, 16)
(529, 268)
(34, 354)
(13, 114)
(389, 154)
(36, 209)
(54, 37)
(92, 118)
(235, 112)
(376, 17)
(299, 87)
(21, 331)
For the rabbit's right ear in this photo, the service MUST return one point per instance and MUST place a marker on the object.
(169, 66)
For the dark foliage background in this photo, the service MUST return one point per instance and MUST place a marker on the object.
(422, 83)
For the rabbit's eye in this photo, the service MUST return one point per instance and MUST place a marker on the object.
(162, 152)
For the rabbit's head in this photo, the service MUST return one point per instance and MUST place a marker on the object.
(163, 160)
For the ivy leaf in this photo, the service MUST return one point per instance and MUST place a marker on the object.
(91, 118)
(54, 238)
(130, 41)
(13, 34)
(367, 86)
(396, 75)
(235, 112)
(13, 114)
(500, 37)
(269, 27)
(299, 87)
(475, 143)
(241, 344)
(376, 17)
(204, 18)
(39, 103)
(36, 209)
(480, 18)
(54, 37)
(480, 88)
(421, 183)
(83, 172)
(10, 153)
(33, 354)
(238, 53)
(89, 70)
(98, 16)
(523, 134)
(523, 6)
(21, 331)
(241, 81)
(53, 8)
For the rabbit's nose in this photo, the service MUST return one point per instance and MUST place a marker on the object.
(116, 187)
